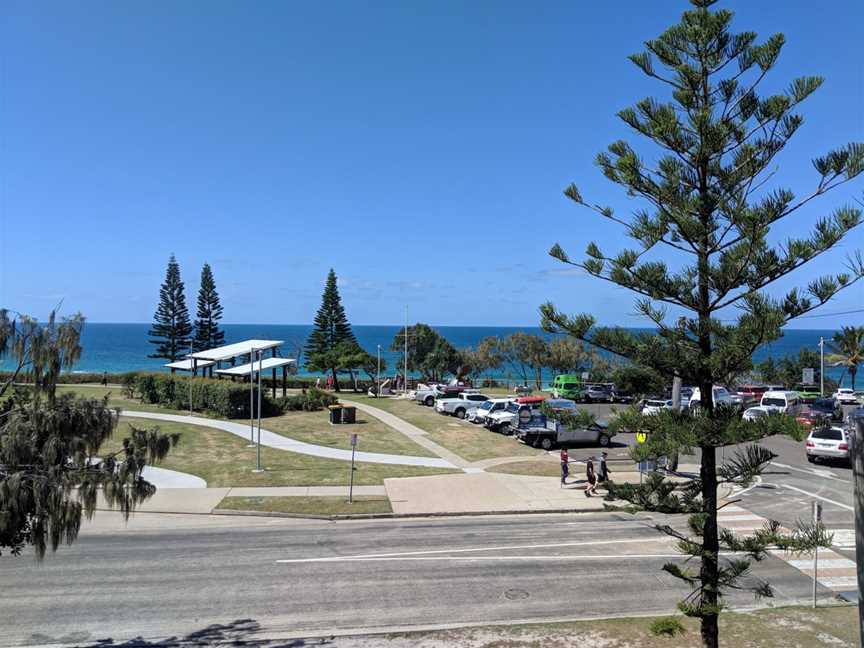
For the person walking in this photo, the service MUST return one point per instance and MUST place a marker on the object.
(603, 468)
(591, 488)
(565, 466)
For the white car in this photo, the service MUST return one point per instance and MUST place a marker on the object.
(506, 420)
(479, 414)
(845, 396)
(721, 397)
(753, 413)
(828, 443)
(654, 406)
(459, 405)
(785, 402)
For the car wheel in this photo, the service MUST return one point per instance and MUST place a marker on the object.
(811, 459)
(460, 413)
(504, 428)
(429, 402)
(587, 399)
(546, 443)
(604, 441)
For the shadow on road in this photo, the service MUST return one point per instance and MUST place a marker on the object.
(236, 633)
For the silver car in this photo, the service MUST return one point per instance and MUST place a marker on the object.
(828, 443)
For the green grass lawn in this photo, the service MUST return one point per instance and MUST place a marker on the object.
(222, 460)
(469, 441)
(373, 435)
(309, 505)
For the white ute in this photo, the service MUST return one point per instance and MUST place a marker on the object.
(479, 414)
(459, 405)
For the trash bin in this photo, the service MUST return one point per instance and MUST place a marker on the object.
(335, 414)
(349, 414)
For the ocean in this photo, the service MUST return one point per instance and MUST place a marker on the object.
(117, 348)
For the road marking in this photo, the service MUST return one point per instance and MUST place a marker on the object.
(844, 538)
(819, 497)
(586, 543)
(616, 557)
(840, 582)
(825, 474)
(831, 563)
(738, 517)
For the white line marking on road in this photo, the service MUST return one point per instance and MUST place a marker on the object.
(427, 552)
(615, 557)
(840, 582)
(825, 474)
(830, 563)
(738, 493)
(819, 497)
(738, 518)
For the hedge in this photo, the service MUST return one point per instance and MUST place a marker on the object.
(218, 397)
(311, 401)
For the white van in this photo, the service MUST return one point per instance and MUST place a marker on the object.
(787, 402)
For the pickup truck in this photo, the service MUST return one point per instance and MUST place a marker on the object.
(545, 433)
(428, 394)
(479, 414)
(459, 404)
(505, 421)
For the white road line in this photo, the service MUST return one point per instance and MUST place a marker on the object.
(825, 474)
(830, 563)
(738, 518)
(819, 497)
(840, 582)
(616, 557)
(428, 552)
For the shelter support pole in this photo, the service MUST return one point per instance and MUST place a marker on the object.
(284, 381)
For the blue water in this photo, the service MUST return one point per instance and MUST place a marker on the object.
(124, 347)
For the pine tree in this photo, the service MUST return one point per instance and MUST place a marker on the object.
(331, 338)
(705, 203)
(207, 332)
(171, 330)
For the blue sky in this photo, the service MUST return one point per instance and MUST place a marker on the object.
(419, 148)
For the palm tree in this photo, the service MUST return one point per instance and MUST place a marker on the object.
(847, 347)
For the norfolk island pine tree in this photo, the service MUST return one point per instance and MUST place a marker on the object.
(331, 338)
(171, 330)
(705, 202)
(208, 335)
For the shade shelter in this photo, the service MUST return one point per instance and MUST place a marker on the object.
(186, 365)
(251, 369)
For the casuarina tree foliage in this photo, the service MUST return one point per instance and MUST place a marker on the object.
(51, 462)
(208, 335)
(705, 201)
(171, 331)
(332, 339)
(429, 353)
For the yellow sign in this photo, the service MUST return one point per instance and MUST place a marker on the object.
(641, 437)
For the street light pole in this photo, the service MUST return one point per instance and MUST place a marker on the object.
(251, 398)
(821, 366)
(378, 375)
(405, 381)
(260, 371)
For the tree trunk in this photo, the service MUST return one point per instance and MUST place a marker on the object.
(711, 548)
(335, 381)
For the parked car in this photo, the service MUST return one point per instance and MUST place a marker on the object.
(827, 443)
(827, 407)
(753, 413)
(428, 394)
(622, 397)
(599, 392)
(845, 396)
(459, 404)
(786, 402)
(546, 433)
(507, 420)
(808, 393)
(568, 386)
(655, 405)
(750, 393)
(721, 396)
(478, 414)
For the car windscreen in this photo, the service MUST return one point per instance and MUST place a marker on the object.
(487, 405)
(656, 403)
(776, 402)
(756, 412)
(513, 407)
(570, 386)
(827, 433)
(476, 397)
(823, 405)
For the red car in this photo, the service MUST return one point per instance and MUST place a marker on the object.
(751, 393)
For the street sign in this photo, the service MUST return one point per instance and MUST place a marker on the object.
(353, 440)
(808, 375)
(585, 375)
(641, 437)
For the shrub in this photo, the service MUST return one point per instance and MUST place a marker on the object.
(667, 627)
(218, 397)
(311, 401)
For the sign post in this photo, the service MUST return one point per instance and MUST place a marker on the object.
(808, 375)
(351, 476)
(817, 518)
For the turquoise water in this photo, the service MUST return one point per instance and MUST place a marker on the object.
(124, 347)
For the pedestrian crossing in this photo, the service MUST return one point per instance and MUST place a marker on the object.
(834, 571)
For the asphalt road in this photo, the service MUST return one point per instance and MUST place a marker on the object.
(175, 575)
